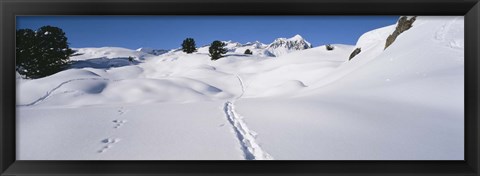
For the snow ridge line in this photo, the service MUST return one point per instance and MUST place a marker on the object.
(56, 88)
(242, 85)
(250, 147)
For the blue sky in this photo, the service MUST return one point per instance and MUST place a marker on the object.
(168, 32)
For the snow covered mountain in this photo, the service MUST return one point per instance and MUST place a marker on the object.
(282, 46)
(401, 103)
(255, 45)
(277, 48)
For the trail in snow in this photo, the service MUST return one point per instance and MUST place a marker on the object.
(250, 147)
(242, 85)
(119, 123)
(56, 88)
(109, 142)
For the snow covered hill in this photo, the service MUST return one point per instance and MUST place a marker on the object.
(107, 52)
(152, 51)
(404, 102)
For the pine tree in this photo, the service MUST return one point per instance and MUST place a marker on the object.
(188, 45)
(43, 52)
(216, 49)
(26, 55)
(248, 52)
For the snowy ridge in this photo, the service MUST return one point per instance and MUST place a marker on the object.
(255, 45)
(251, 148)
(242, 86)
(152, 51)
(107, 52)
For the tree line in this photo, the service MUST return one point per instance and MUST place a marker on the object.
(216, 49)
(46, 51)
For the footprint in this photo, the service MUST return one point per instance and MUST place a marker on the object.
(110, 140)
(119, 123)
(109, 144)
(121, 111)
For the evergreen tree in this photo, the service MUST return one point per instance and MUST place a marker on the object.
(43, 52)
(248, 52)
(25, 51)
(188, 45)
(216, 49)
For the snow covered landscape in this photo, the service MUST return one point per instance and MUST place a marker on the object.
(289, 100)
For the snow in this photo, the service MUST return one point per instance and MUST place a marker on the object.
(402, 103)
(251, 148)
(152, 51)
(107, 52)
(165, 131)
(373, 42)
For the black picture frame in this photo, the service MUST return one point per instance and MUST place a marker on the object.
(11, 8)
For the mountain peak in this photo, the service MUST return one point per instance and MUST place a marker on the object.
(283, 45)
(296, 37)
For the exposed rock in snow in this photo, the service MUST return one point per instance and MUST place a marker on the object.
(403, 24)
(355, 52)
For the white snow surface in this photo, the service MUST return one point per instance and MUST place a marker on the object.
(107, 52)
(153, 51)
(402, 103)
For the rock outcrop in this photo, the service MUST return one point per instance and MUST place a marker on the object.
(404, 23)
(354, 53)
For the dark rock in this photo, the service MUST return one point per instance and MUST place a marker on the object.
(403, 25)
(354, 53)
(329, 47)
